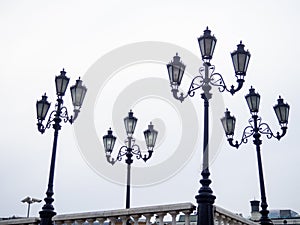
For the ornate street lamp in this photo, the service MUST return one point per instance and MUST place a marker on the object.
(255, 129)
(60, 113)
(206, 80)
(130, 148)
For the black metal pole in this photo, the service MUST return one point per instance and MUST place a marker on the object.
(128, 187)
(28, 209)
(129, 161)
(264, 220)
(48, 210)
(205, 198)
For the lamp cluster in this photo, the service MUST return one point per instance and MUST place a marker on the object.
(78, 92)
(253, 101)
(207, 43)
(130, 148)
(130, 123)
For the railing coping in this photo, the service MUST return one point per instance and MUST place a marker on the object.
(232, 215)
(151, 210)
(30, 220)
(126, 212)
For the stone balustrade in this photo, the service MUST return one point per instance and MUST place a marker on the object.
(22, 221)
(140, 215)
(162, 214)
(225, 217)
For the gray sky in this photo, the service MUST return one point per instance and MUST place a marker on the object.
(39, 39)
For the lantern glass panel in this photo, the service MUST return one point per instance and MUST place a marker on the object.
(240, 59)
(228, 123)
(207, 44)
(109, 142)
(42, 107)
(130, 123)
(282, 112)
(150, 136)
(253, 100)
(78, 92)
(61, 83)
(176, 70)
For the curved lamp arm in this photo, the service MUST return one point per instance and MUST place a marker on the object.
(146, 157)
(233, 143)
(111, 160)
(74, 116)
(216, 79)
(181, 97)
(278, 135)
(137, 151)
(121, 153)
(264, 128)
(248, 132)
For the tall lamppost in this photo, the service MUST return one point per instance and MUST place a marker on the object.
(59, 114)
(130, 148)
(256, 128)
(206, 80)
(29, 201)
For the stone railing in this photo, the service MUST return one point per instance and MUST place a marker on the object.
(22, 221)
(161, 214)
(225, 217)
(141, 215)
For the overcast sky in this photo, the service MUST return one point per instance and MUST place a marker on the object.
(38, 39)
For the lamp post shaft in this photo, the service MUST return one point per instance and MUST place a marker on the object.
(264, 220)
(129, 161)
(48, 210)
(205, 198)
(128, 186)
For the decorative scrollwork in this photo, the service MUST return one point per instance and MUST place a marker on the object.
(256, 126)
(122, 152)
(216, 79)
(136, 151)
(248, 132)
(197, 83)
(64, 114)
(264, 128)
(55, 116)
(51, 119)
(129, 152)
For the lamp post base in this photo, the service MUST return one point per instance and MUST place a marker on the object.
(265, 220)
(46, 217)
(205, 200)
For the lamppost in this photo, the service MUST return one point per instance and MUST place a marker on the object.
(59, 114)
(29, 201)
(130, 148)
(240, 59)
(256, 129)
